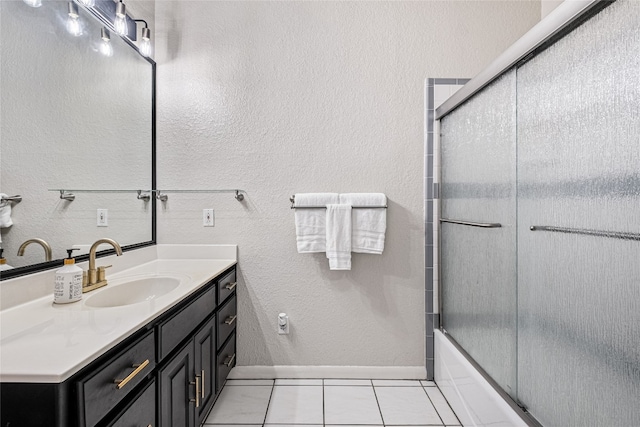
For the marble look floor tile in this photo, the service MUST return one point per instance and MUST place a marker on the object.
(298, 382)
(293, 425)
(428, 383)
(396, 383)
(351, 405)
(291, 404)
(240, 405)
(442, 406)
(406, 405)
(231, 425)
(347, 382)
(248, 382)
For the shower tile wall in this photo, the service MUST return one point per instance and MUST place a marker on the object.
(436, 92)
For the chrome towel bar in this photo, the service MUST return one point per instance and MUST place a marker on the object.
(613, 234)
(472, 224)
(293, 206)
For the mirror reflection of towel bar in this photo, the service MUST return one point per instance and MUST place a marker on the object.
(14, 199)
(472, 224)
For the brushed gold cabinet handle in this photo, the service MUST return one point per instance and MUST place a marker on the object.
(202, 384)
(229, 320)
(231, 286)
(139, 367)
(197, 384)
(230, 359)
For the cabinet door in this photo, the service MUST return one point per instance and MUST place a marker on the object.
(205, 364)
(176, 407)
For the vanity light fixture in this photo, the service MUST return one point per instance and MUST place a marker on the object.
(105, 46)
(145, 44)
(73, 23)
(120, 22)
(33, 3)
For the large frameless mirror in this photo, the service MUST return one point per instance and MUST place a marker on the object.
(76, 116)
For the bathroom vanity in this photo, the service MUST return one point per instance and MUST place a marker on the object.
(153, 348)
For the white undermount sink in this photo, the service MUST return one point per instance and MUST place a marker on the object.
(133, 291)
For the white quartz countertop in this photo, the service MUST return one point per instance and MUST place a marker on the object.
(42, 342)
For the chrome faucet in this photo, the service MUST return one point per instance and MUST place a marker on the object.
(45, 246)
(96, 277)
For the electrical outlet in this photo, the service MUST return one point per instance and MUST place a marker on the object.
(103, 218)
(208, 220)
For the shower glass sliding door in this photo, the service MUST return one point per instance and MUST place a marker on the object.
(478, 252)
(579, 169)
(548, 304)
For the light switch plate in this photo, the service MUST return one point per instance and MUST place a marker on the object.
(103, 218)
(208, 220)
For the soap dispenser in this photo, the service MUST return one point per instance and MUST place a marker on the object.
(68, 282)
(3, 262)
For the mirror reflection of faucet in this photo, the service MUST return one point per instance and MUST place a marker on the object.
(45, 246)
(96, 278)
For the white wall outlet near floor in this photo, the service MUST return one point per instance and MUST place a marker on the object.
(208, 220)
(103, 218)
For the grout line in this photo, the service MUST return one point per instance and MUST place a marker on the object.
(324, 421)
(377, 402)
(269, 403)
(447, 400)
(433, 404)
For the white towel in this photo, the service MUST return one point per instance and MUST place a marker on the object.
(368, 226)
(311, 231)
(5, 213)
(339, 236)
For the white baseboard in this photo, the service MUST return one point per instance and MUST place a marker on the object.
(472, 398)
(336, 372)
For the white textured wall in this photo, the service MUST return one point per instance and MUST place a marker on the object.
(284, 97)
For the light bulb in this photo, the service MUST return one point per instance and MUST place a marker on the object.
(33, 3)
(73, 23)
(105, 46)
(120, 23)
(87, 3)
(74, 27)
(145, 44)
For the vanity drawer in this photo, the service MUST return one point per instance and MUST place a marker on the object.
(172, 331)
(142, 411)
(110, 383)
(226, 320)
(226, 286)
(226, 360)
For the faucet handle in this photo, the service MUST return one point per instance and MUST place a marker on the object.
(101, 272)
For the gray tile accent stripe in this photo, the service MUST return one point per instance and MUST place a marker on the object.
(431, 192)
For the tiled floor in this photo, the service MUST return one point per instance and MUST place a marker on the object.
(317, 403)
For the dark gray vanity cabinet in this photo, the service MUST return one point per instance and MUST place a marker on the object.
(166, 374)
(176, 385)
(186, 381)
(141, 412)
(205, 366)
